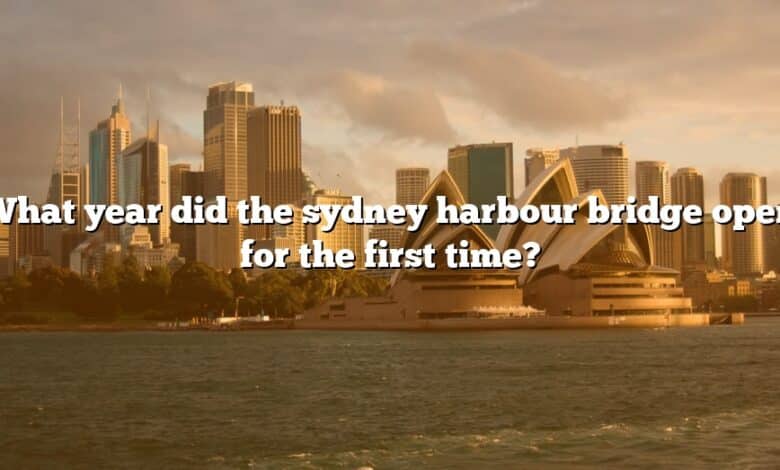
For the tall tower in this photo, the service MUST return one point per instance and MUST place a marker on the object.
(5, 251)
(410, 185)
(603, 167)
(106, 142)
(743, 252)
(483, 172)
(537, 160)
(349, 236)
(688, 189)
(225, 140)
(652, 179)
(64, 186)
(274, 165)
(142, 173)
(176, 181)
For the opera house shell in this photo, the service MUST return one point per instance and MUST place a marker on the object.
(583, 270)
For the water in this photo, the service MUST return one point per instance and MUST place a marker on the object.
(289, 399)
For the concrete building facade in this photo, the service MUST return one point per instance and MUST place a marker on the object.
(225, 140)
(743, 252)
(603, 167)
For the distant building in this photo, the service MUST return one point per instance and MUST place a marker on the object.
(274, 158)
(191, 184)
(537, 160)
(410, 185)
(652, 179)
(106, 142)
(225, 140)
(688, 189)
(392, 234)
(59, 240)
(89, 258)
(771, 247)
(219, 246)
(142, 248)
(294, 231)
(143, 179)
(281, 243)
(5, 251)
(743, 252)
(603, 167)
(24, 240)
(176, 181)
(343, 236)
(710, 257)
(483, 172)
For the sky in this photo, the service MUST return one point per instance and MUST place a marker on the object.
(386, 84)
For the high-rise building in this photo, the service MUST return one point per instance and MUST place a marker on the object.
(652, 179)
(225, 140)
(106, 142)
(743, 252)
(24, 241)
(537, 160)
(274, 158)
(175, 176)
(410, 185)
(343, 236)
(392, 234)
(710, 257)
(185, 235)
(274, 154)
(295, 231)
(603, 167)
(5, 251)
(688, 190)
(483, 172)
(219, 246)
(142, 172)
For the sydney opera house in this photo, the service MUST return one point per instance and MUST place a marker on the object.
(587, 275)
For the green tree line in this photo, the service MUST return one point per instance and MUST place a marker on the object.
(195, 289)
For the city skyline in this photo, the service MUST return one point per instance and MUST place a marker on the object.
(666, 99)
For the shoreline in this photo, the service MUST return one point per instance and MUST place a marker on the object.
(552, 322)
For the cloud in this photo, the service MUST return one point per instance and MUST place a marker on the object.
(524, 90)
(352, 174)
(395, 110)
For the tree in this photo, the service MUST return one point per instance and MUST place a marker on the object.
(238, 282)
(197, 288)
(130, 285)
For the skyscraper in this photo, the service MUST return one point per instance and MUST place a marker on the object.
(65, 185)
(537, 160)
(710, 258)
(192, 183)
(5, 251)
(225, 140)
(219, 246)
(343, 236)
(142, 171)
(106, 142)
(175, 181)
(652, 179)
(483, 172)
(274, 165)
(603, 167)
(743, 252)
(688, 189)
(410, 185)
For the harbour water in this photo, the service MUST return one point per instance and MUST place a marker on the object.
(318, 399)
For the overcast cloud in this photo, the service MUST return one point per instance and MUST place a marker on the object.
(388, 83)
